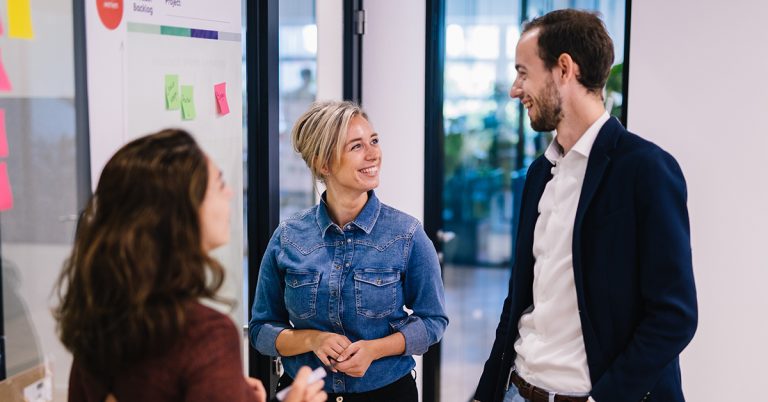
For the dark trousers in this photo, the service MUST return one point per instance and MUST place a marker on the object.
(402, 390)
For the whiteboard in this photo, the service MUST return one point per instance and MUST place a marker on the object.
(131, 46)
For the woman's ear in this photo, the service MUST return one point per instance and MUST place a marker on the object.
(325, 171)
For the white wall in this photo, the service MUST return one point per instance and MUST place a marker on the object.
(697, 88)
(393, 96)
(330, 48)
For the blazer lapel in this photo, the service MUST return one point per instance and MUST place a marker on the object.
(598, 162)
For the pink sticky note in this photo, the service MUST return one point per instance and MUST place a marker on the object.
(5, 83)
(3, 138)
(6, 196)
(220, 90)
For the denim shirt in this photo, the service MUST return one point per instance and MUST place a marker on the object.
(352, 281)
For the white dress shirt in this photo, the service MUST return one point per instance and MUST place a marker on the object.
(550, 349)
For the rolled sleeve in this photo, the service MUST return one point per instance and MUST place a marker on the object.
(269, 316)
(416, 336)
(266, 337)
(424, 295)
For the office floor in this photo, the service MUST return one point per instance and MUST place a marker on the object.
(473, 298)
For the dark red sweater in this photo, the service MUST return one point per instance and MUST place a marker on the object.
(204, 365)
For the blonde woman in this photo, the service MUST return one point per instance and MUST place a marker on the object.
(335, 278)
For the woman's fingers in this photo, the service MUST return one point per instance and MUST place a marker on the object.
(319, 397)
(258, 388)
(314, 392)
(349, 351)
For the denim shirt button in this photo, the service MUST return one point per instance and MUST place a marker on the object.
(349, 227)
(347, 264)
(337, 266)
(349, 240)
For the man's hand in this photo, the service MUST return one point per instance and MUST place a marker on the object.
(356, 358)
(327, 345)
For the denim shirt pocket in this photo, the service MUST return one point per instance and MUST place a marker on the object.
(301, 292)
(376, 291)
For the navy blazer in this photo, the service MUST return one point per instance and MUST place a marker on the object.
(632, 269)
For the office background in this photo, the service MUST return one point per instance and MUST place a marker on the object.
(694, 87)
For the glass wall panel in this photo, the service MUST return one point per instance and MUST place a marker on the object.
(297, 72)
(38, 183)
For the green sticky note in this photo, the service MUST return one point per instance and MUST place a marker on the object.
(172, 92)
(187, 103)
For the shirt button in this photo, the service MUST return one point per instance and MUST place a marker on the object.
(338, 266)
(349, 240)
(347, 264)
(338, 382)
(378, 281)
(295, 282)
(349, 227)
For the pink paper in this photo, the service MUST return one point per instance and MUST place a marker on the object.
(3, 138)
(5, 83)
(6, 196)
(220, 90)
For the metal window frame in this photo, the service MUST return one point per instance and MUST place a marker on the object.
(263, 195)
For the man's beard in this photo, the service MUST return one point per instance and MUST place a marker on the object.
(549, 109)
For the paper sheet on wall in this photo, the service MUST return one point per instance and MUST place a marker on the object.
(20, 20)
(3, 138)
(187, 103)
(220, 91)
(172, 92)
(6, 195)
(5, 83)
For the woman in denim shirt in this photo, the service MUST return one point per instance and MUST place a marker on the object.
(335, 278)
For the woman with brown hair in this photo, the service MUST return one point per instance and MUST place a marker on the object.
(130, 311)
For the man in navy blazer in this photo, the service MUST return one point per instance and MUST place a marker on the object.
(602, 299)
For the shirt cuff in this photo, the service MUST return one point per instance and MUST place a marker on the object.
(265, 340)
(416, 338)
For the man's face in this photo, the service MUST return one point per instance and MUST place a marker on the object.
(534, 85)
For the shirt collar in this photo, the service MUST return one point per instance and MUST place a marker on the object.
(365, 220)
(583, 146)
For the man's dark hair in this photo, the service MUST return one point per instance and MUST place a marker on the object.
(583, 36)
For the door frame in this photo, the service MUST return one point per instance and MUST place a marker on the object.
(434, 134)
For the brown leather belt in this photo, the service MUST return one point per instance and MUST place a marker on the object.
(536, 394)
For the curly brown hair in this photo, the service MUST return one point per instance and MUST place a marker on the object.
(137, 260)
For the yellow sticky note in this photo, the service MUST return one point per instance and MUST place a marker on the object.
(172, 92)
(20, 19)
(187, 103)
